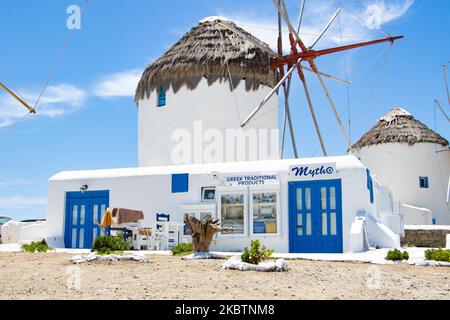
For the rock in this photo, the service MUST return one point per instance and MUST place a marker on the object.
(235, 263)
(204, 256)
(108, 258)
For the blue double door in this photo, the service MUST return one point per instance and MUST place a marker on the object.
(315, 217)
(84, 211)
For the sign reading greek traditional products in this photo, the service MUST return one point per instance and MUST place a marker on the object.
(313, 171)
(252, 180)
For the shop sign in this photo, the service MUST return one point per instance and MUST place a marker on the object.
(313, 171)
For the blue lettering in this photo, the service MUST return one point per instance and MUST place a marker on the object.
(305, 171)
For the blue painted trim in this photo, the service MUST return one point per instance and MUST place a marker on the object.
(161, 217)
(180, 183)
(87, 194)
(370, 185)
(161, 98)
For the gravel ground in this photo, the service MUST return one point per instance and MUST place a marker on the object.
(52, 276)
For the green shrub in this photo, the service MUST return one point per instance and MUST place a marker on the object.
(107, 245)
(182, 249)
(256, 254)
(438, 255)
(397, 255)
(33, 247)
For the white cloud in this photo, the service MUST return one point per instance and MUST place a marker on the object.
(13, 182)
(57, 100)
(61, 99)
(381, 12)
(20, 202)
(121, 84)
(356, 21)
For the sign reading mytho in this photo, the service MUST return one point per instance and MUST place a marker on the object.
(313, 172)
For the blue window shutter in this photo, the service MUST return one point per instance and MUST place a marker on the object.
(180, 183)
(424, 183)
(370, 186)
(161, 98)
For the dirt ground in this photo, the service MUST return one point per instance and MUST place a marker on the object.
(52, 276)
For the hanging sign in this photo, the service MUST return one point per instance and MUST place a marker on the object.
(313, 171)
(251, 180)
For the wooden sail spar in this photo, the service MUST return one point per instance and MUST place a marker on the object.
(16, 97)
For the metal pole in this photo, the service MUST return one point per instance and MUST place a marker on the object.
(289, 118)
(436, 102)
(287, 90)
(328, 76)
(325, 29)
(344, 132)
(300, 17)
(446, 83)
(311, 108)
(271, 93)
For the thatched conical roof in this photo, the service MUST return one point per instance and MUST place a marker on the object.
(204, 52)
(399, 126)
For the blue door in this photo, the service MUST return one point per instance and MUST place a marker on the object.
(84, 211)
(315, 217)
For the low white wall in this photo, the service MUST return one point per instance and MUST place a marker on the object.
(358, 241)
(416, 216)
(34, 232)
(15, 231)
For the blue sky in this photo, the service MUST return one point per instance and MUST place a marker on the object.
(87, 118)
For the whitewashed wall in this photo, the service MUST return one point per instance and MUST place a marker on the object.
(401, 165)
(149, 190)
(215, 106)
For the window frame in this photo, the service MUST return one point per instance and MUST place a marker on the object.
(251, 207)
(230, 191)
(426, 181)
(161, 96)
(203, 192)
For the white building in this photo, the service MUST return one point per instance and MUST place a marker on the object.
(310, 205)
(414, 160)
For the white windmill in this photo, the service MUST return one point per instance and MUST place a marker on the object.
(287, 64)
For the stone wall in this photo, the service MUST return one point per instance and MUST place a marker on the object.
(427, 237)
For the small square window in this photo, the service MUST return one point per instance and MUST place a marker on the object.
(208, 194)
(161, 98)
(423, 182)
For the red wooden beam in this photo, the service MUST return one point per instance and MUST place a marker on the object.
(313, 54)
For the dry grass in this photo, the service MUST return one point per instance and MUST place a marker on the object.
(398, 126)
(205, 52)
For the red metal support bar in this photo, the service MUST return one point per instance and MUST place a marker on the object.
(313, 54)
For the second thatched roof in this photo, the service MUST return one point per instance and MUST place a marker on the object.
(207, 51)
(399, 126)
